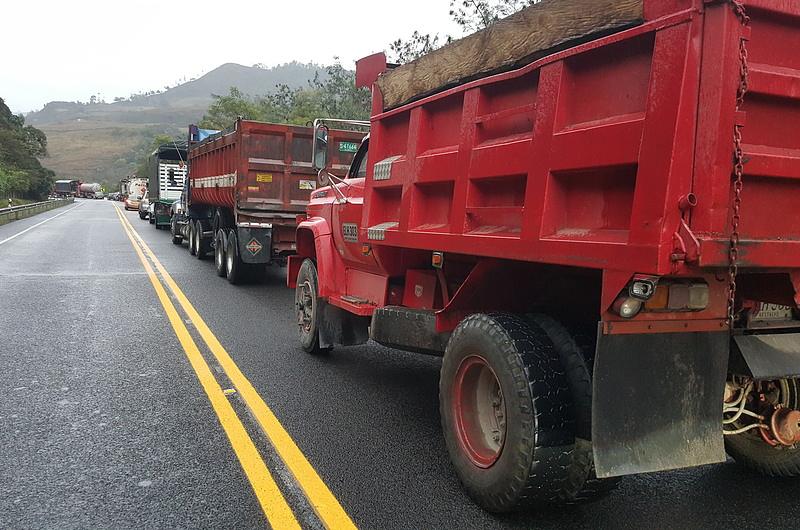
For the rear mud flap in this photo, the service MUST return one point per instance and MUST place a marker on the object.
(255, 244)
(657, 401)
(773, 356)
(338, 327)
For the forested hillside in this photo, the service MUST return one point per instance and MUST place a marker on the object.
(21, 173)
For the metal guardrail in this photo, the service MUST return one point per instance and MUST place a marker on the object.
(14, 213)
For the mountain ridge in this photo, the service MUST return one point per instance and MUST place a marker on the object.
(101, 142)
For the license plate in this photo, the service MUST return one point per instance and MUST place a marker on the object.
(771, 313)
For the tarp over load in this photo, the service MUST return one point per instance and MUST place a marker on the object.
(519, 39)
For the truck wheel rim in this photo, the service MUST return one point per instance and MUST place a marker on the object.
(479, 411)
(229, 259)
(218, 252)
(305, 306)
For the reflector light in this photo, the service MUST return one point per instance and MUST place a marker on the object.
(698, 296)
(627, 307)
(659, 299)
(438, 260)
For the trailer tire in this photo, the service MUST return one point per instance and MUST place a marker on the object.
(308, 308)
(583, 485)
(219, 253)
(234, 267)
(200, 245)
(502, 375)
(752, 452)
(177, 239)
(192, 250)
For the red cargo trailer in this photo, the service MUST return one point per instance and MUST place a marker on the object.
(602, 243)
(247, 187)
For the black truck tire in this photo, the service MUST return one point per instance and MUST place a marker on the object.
(751, 451)
(142, 215)
(219, 254)
(582, 483)
(308, 308)
(190, 228)
(177, 239)
(201, 246)
(507, 413)
(235, 269)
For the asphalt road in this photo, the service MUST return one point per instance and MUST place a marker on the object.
(104, 423)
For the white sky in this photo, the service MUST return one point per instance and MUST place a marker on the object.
(61, 50)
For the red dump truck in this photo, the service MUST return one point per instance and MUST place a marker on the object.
(602, 244)
(247, 185)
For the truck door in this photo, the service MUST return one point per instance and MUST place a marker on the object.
(347, 214)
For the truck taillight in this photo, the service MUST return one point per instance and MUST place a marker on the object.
(661, 295)
(679, 295)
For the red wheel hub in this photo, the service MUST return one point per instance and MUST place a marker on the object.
(479, 411)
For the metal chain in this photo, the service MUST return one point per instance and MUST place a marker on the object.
(738, 167)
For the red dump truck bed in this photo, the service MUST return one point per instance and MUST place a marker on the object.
(262, 169)
(582, 158)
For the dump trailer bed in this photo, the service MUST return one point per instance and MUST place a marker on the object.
(262, 170)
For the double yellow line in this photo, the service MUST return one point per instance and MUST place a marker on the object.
(272, 501)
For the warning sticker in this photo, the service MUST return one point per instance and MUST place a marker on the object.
(252, 188)
(254, 246)
(308, 184)
(263, 177)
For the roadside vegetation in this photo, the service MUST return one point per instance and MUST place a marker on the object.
(335, 96)
(21, 174)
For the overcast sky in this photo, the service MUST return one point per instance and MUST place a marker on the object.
(60, 50)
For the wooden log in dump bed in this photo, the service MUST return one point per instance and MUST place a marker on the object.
(514, 41)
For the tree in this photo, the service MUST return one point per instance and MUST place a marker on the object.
(405, 51)
(339, 97)
(470, 15)
(12, 183)
(21, 173)
(474, 15)
(225, 109)
(335, 96)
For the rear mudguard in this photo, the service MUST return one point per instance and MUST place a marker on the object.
(657, 401)
(255, 244)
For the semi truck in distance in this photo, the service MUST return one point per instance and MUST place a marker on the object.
(90, 190)
(598, 237)
(246, 188)
(166, 174)
(66, 188)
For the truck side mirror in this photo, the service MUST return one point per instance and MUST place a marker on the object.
(320, 147)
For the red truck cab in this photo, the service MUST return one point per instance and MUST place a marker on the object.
(600, 244)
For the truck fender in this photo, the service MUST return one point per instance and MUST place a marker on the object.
(313, 241)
